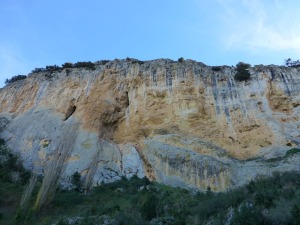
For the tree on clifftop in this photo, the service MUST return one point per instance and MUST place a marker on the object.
(290, 63)
(242, 71)
(14, 79)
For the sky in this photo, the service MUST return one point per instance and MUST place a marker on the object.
(35, 33)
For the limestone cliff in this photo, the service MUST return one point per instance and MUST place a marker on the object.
(181, 123)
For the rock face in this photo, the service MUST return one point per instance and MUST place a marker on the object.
(181, 123)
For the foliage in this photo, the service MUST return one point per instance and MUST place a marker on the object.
(288, 154)
(296, 214)
(62, 222)
(248, 215)
(209, 193)
(140, 201)
(290, 63)
(103, 62)
(291, 152)
(242, 73)
(13, 178)
(38, 70)
(67, 65)
(148, 209)
(67, 198)
(53, 68)
(76, 181)
(11, 165)
(87, 65)
(132, 60)
(216, 68)
(181, 60)
(14, 79)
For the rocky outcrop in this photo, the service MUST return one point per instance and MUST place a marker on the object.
(181, 123)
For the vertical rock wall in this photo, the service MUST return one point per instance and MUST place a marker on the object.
(146, 111)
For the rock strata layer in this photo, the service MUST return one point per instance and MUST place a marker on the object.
(181, 123)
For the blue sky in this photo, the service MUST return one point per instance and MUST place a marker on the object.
(37, 33)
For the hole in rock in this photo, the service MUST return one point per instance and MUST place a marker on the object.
(70, 111)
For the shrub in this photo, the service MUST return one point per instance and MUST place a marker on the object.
(248, 215)
(38, 70)
(265, 198)
(148, 210)
(216, 68)
(138, 62)
(67, 65)
(181, 60)
(146, 181)
(209, 193)
(251, 187)
(9, 164)
(75, 180)
(290, 63)
(62, 222)
(296, 214)
(292, 152)
(52, 68)
(134, 61)
(67, 198)
(242, 73)
(111, 210)
(87, 65)
(2, 142)
(14, 79)
(102, 62)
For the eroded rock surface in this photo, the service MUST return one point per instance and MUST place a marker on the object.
(181, 123)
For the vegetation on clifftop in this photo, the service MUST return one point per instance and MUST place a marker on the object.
(242, 69)
(14, 79)
(86, 65)
(242, 72)
(290, 63)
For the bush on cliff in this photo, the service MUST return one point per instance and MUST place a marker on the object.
(76, 181)
(181, 60)
(14, 79)
(290, 63)
(67, 65)
(242, 72)
(53, 68)
(86, 65)
(38, 70)
(216, 68)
